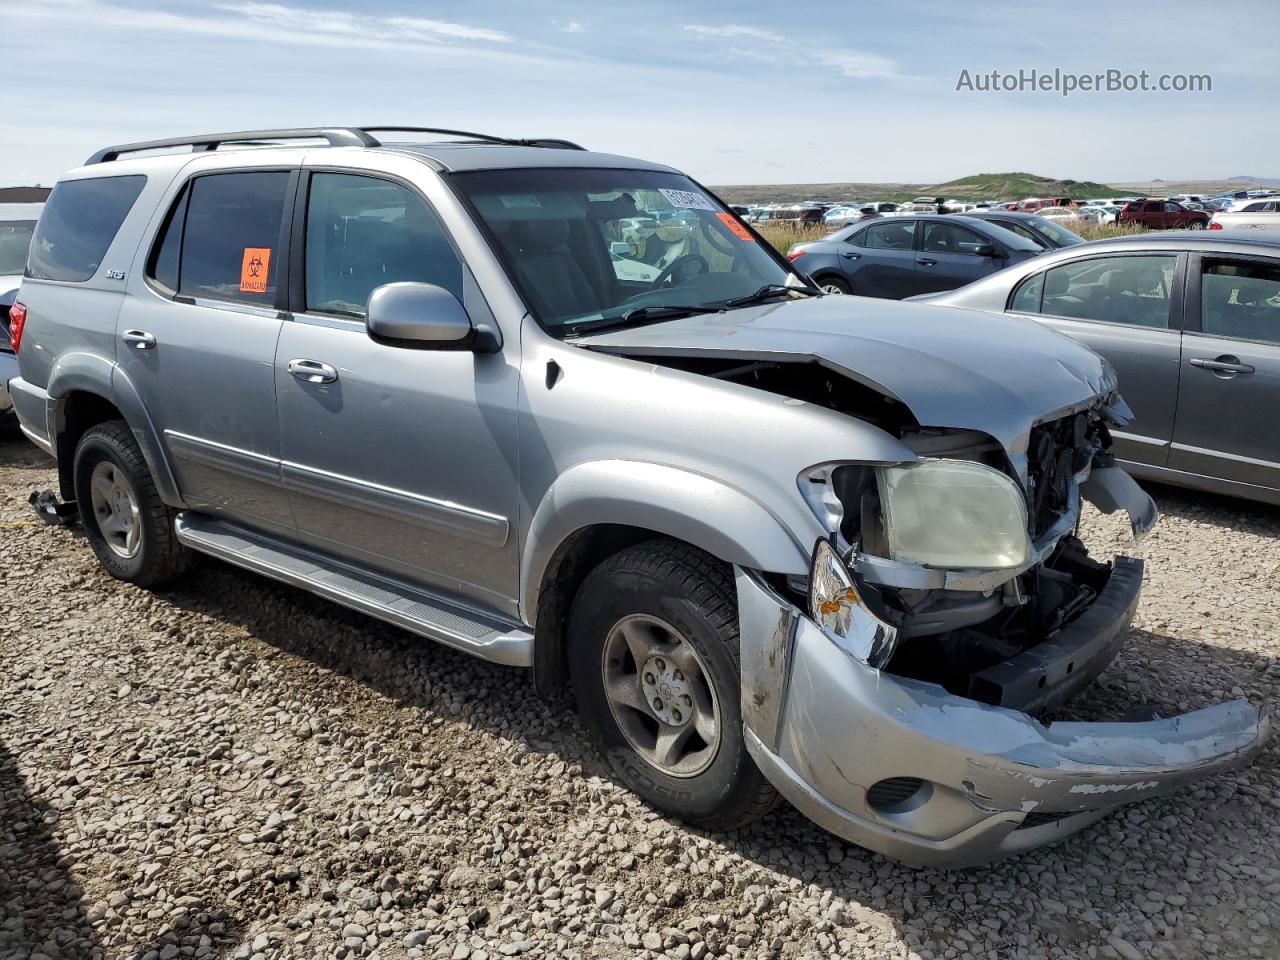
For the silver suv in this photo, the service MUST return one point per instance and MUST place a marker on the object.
(565, 411)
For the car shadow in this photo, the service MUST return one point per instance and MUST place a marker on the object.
(44, 911)
(42, 908)
(1154, 674)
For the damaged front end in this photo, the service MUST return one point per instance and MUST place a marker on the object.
(892, 695)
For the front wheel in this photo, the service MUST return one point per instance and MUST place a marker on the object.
(127, 524)
(653, 643)
(1196, 225)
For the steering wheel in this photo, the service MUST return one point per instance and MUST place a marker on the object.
(678, 263)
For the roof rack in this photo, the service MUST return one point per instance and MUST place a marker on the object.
(335, 136)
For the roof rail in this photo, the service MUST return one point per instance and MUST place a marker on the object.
(336, 136)
(483, 137)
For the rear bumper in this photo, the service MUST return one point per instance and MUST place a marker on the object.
(32, 405)
(8, 370)
(968, 782)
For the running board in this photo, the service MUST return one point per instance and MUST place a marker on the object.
(387, 599)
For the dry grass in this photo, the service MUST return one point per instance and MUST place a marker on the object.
(783, 235)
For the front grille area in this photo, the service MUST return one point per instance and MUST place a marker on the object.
(1057, 451)
(1040, 819)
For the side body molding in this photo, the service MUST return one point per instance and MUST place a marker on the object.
(98, 375)
(698, 509)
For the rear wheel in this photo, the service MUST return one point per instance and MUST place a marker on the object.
(127, 524)
(835, 285)
(653, 643)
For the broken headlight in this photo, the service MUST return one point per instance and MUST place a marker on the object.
(954, 513)
(838, 606)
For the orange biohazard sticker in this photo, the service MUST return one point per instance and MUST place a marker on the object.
(737, 229)
(253, 269)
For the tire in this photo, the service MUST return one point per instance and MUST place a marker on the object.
(150, 554)
(1195, 225)
(837, 285)
(662, 581)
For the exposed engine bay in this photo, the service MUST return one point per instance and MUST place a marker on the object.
(954, 627)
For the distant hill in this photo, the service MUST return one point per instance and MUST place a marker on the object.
(23, 194)
(1271, 181)
(982, 186)
(1015, 186)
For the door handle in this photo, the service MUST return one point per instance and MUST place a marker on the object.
(312, 371)
(925, 261)
(139, 339)
(1225, 366)
(851, 256)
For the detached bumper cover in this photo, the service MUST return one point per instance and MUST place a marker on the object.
(989, 781)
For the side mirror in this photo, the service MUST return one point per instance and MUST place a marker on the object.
(427, 316)
(986, 250)
(620, 248)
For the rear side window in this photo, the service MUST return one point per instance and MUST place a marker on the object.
(889, 236)
(77, 225)
(1121, 289)
(224, 236)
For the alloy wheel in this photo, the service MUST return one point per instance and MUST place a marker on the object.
(115, 508)
(661, 696)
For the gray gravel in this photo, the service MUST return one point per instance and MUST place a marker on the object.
(235, 769)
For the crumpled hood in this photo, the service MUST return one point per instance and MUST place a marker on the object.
(951, 367)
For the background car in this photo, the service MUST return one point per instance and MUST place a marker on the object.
(1163, 215)
(1249, 215)
(1198, 361)
(17, 223)
(1048, 233)
(1069, 216)
(900, 256)
(1104, 213)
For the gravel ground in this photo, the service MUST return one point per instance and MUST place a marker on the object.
(233, 768)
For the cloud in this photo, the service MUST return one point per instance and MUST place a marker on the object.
(446, 30)
(743, 53)
(299, 26)
(730, 30)
(573, 26)
(861, 66)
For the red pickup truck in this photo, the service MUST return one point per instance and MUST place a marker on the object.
(1163, 215)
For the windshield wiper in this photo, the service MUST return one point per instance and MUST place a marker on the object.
(767, 291)
(665, 311)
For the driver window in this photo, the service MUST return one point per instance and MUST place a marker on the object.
(948, 238)
(363, 232)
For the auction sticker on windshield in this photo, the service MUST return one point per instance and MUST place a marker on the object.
(686, 199)
(737, 229)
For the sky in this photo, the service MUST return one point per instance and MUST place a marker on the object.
(730, 92)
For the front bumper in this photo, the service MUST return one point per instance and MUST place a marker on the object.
(828, 732)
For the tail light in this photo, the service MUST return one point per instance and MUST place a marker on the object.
(793, 254)
(1215, 226)
(17, 320)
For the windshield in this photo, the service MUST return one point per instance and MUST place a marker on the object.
(1058, 233)
(589, 245)
(15, 239)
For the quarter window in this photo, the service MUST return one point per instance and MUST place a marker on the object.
(889, 236)
(1239, 299)
(1026, 299)
(227, 234)
(363, 232)
(77, 226)
(1128, 290)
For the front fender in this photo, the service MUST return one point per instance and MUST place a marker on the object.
(708, 513)
(91, 373)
